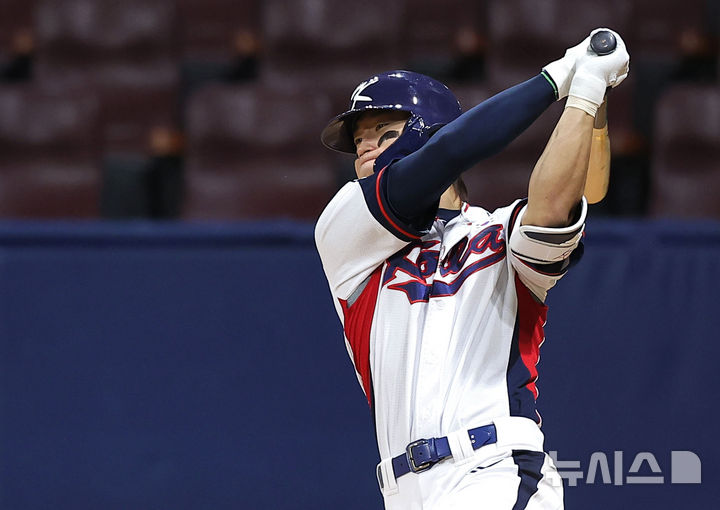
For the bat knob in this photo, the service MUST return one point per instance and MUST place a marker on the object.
(603, 42)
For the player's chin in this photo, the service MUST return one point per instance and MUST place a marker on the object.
(365, 168)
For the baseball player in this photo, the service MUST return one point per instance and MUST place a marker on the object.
(442, 303)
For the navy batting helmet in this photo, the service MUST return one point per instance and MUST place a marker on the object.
(430, 104)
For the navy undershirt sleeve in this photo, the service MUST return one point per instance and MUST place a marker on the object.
(413, 185)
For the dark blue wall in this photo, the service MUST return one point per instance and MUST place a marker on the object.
(202, 367)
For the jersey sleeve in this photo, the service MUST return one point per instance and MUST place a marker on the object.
(542, 255)
(350, 239)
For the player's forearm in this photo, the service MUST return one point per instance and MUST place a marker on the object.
(558, 180)
(416, 182)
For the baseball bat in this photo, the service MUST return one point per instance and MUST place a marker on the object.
(598, 176)
(603, 42)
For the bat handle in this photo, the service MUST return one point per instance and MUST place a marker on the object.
(601, 115)
(603, 42)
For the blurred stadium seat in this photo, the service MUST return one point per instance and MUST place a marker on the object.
(254, 152)
(48, 153)
(446, 40)
(147, 62)
(327, 45)
(658, 27)
(686, 153)
(470, 95)
(670, 42)
(219, 41)
(525, 35)
(209, 27)
(627, 192)
(15, 15)
(17, 43)
(124, 51)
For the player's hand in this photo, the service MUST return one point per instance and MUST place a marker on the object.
(595, 73)
(562, 70)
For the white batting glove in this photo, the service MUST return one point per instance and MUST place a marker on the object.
(594, 74)
(561, 71)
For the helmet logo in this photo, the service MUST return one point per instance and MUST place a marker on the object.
(355, 97)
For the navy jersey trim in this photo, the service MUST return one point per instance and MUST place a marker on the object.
(529, 466)
(527, 337)
(522, 400)
(553, 238)
(558, 268)
(514, 216)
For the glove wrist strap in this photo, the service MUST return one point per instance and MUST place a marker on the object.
(581, 104)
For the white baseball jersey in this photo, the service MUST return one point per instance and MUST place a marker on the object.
(442, 327)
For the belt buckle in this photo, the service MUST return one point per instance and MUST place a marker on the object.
(411, 459)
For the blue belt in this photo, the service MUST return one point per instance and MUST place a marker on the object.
(423, 454)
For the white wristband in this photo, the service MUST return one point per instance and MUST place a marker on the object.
(581, 104)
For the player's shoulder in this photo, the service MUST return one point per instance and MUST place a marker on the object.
(347, 190)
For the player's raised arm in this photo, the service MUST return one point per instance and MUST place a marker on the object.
(558, 180)
(416, 182)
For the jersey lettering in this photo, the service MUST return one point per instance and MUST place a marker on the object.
(413, 269)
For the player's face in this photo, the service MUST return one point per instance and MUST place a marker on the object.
(373, 133)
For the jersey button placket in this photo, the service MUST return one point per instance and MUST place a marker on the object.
(435, 343)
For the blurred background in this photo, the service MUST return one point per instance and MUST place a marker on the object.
(203, 109)
(167, 339)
